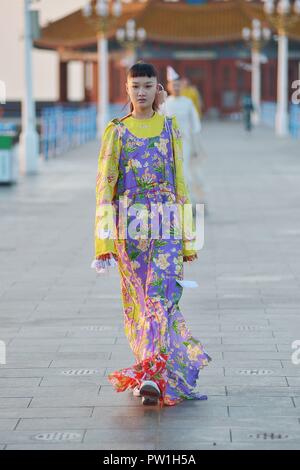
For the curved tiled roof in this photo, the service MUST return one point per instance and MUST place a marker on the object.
(176, 23)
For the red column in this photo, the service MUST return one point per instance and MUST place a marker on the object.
(63, 81)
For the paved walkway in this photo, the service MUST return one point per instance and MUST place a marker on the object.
(63, 326)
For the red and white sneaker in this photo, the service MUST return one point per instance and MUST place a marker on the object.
(150, 392)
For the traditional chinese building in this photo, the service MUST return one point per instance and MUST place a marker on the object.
(200, 39)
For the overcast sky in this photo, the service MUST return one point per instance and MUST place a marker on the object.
(45, 64)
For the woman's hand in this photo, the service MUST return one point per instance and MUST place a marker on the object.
(190, 257)
(161, 96)
(108, 256)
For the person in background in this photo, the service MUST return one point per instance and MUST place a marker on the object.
(188, 122)
(248, 108)
(190, 91)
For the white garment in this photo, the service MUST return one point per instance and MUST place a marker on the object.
(189, 125)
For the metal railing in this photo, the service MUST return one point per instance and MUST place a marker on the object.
(295, 120)
(268, 112)
(64, 128)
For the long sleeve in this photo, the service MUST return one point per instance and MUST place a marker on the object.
(195, 120)
(107, 176)
(195, 124)
(182, 193)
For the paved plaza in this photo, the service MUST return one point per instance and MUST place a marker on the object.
(62, 324)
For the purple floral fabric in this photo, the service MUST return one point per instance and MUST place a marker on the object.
(164, 347)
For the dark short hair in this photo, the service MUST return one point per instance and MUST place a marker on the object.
(142, 69)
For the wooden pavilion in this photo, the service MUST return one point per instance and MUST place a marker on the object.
(200, 40)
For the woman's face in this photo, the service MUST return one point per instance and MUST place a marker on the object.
(142, 91)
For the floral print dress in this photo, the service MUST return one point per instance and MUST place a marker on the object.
(148, 172)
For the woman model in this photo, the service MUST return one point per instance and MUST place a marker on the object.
(140, 161)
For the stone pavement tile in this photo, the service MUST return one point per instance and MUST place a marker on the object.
(285, 346)
(8, 424)
(287, 337)
(275, 314)
(18, 307)
(288, 363)
(32, 361)
(257, 355)
(120, 438)
(297, 401)
(244, 379)
(183, 412)
(200, 422)
(118, 348)
(231, 446)
(242, 313)
(262, 391)
(79, 360)
(47, 310)
(247, 363)
(19, 382)
(30, 412)
(293, 381)
(239, 302)
(115, 399)
(254, 400)
(117, 412)
(40, 332)
(256, 325)
(33, 437)
(56, 347)
(8, 402)
(249, 338)
(71, 381)
(14, 294)
(32, 347)
(193, 436)
(120, 423)
(88, 390)
(81, 446)
(274, 410)
(8, 332)
(74, 335)
(279, 435)
(88, 348)
(48, 372)
(274, 372)
(242, 347)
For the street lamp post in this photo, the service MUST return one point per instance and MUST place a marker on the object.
(29, 139)
(101, 16)
(282, 14)
(130, 38)
(256, 37)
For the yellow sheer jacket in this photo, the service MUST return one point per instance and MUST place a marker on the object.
(108, 171)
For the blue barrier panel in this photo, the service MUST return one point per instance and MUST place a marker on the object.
(295, 120)
(64, 128)
(268, 112)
